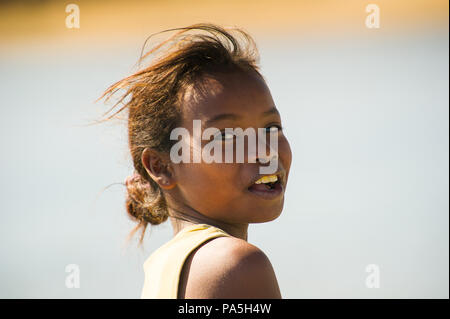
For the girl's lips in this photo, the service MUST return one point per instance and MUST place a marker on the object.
(262, 191)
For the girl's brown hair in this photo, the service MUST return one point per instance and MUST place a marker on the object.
(154, 101)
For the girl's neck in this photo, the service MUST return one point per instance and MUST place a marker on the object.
(180, 220)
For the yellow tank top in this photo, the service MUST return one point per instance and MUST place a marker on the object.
(163, 268)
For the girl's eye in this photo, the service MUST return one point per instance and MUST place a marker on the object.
(227, 136)
(224, 136)
(274, 128)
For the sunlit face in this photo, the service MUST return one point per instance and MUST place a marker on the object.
(226, 191)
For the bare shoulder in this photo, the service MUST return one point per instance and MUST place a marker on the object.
(228, 267)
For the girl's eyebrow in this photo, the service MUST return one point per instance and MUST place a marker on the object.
(224, 116)
(231, 116)
(273, 110)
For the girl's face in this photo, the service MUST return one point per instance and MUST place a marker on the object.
(226, 192)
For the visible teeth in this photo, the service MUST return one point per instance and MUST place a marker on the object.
(267, 179)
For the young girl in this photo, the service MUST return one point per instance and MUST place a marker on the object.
(208, 74)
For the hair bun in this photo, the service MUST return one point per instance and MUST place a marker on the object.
(145, 203)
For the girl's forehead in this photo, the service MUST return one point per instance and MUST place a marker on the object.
(203, 88)
(234, 93)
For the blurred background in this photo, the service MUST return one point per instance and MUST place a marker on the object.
(365, 111)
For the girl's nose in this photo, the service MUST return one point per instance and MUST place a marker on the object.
(266, 158)
(263, 152)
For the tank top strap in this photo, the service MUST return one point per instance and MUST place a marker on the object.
(163, 268)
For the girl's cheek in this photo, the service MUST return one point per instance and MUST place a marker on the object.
(285, 153)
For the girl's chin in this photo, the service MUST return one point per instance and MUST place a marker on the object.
(266, 216)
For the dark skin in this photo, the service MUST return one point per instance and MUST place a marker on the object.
(217, 193)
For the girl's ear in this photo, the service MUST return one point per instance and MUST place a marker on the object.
(158, 168)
